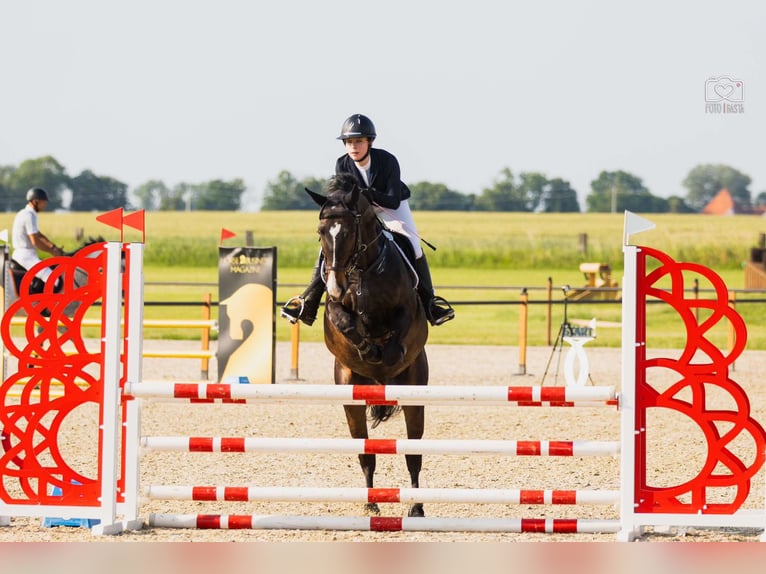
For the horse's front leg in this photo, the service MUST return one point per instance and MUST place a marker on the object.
(356, 416)
(414, 416)
(345, 322)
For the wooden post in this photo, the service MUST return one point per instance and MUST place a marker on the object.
(206, 315)
(249, 238)
(523, 313)
(583, 239)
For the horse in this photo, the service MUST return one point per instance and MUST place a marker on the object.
(374, 322)
(16, 273)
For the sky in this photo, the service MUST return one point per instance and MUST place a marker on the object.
(190, 90)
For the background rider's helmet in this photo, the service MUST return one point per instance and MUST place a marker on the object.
(37, 193)
(357, 126)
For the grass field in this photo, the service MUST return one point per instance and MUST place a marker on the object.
(480, 257)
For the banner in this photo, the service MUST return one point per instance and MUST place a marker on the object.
(246, 313)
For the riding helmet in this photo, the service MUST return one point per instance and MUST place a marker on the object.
(37, 193)
(357, 126)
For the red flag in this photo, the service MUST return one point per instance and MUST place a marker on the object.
(135, 220)
(112, 218)
(226, 234)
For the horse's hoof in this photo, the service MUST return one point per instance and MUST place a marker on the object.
(372, 509)
(416, 510)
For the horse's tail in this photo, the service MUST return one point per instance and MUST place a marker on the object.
(381, 413)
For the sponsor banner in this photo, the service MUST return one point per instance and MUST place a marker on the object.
(246, 313)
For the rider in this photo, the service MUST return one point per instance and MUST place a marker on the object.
(26, 236)
(377, 170)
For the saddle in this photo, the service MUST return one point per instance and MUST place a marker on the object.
(36, 286)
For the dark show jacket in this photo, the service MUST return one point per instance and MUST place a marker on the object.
(388, 190)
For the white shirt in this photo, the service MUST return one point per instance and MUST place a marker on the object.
(24, 225)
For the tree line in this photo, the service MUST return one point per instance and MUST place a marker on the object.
(611, 191)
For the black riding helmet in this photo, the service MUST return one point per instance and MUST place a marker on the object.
(357, 126)
(37, 193)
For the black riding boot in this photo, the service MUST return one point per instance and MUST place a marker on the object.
(437, 309)
(305, 307)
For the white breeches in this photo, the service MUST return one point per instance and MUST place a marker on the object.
(28, 259)
(400, 220)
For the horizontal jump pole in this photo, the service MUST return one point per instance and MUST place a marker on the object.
(373, 394)
(201, 354)
(148, 323)
(381, 495)
(382, 446)
(384, 523)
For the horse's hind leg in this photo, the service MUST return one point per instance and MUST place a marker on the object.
(356, 415)
(414, 416)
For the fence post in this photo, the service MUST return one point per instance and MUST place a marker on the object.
(207, 305)
(696, 296)
(295, 339)
(731, 335)
(523, 314)
(549, 311)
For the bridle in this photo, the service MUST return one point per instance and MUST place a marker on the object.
(360, 247)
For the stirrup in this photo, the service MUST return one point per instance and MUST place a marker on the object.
(293, 309)
(438, 304)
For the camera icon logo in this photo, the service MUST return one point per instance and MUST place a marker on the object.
(724, 88)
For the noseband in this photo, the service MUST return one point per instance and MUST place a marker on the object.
(360, 247)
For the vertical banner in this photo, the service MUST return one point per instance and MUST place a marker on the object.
(6, 289)
(246, 313)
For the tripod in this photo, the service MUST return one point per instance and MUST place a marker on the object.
(580, 336)
(564, 330)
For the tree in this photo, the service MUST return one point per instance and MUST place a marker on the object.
(704, 181)
(43, 172)
(616, 191)
(558, 197)
(677, 204)
(91, 192)
(8, 202)
(148, 194)
(286, 192)
(428, 196)
(532, 188)
(505, 195)
(217, 195)
(175, 199)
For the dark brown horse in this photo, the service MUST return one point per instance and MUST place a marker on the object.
(374, 322)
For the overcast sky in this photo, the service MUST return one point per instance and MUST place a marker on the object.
(188, 91)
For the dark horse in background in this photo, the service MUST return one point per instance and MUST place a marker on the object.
(36, 286)
(374, 322)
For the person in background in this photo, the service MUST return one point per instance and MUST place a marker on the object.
(377, 170)
(27, 239)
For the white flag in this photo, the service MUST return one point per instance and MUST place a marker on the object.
(4, 236)
(635, 224)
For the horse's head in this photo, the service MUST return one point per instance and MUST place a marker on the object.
(347, 229)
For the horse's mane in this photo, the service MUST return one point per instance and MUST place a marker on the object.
(343, 183)
(91, 240)
(340, 190)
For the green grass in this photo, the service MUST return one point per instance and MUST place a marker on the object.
(502, 252)
(468, 241)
